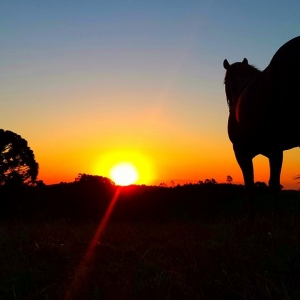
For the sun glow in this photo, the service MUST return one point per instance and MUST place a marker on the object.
(124, 174)
(125, 167)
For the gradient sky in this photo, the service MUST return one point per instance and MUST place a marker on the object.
(90, 83)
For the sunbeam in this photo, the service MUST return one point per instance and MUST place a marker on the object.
(80, 272)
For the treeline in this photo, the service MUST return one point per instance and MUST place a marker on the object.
(87, 198)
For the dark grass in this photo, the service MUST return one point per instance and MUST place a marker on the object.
(175, 260)
(187, 255)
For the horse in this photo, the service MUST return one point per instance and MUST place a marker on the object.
(264, 114)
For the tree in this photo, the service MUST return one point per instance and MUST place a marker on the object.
(93, 180)
(17, 162)
(229, 179)
(210, 181)
(213, 181)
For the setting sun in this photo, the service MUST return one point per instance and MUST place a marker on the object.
(124, 174)
(125, 167)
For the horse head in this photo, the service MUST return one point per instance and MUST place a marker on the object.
(238, 75)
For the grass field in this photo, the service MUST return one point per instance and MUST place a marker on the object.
(180, 259)
(190, 242)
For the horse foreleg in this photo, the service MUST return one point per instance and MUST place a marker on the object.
(275, 161)
(244, 160)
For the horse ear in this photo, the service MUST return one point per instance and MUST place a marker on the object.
(245, 61)
(226, 64)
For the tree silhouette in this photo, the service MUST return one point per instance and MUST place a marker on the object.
(83, 178)
(229, 179)
(17, 162)
(210, 181)
(213, 181)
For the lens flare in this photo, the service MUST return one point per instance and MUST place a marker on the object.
(80, 272)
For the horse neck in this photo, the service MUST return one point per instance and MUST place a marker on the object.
(252, 75)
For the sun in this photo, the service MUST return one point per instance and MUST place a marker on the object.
(124, 174)
(124, 167)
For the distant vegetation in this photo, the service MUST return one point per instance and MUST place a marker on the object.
(88, 197)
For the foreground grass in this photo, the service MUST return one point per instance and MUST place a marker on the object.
(224, 259)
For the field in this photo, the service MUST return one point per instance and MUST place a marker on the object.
(181, 250)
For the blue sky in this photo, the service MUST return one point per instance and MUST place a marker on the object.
(122, 71)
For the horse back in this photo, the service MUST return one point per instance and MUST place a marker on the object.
(285, 77)
(275, 93)
(285, 66)
(287, 56)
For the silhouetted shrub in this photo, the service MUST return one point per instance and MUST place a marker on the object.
(17, 162)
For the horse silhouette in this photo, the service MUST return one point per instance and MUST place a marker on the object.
(264, 113)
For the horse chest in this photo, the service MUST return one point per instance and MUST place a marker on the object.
(246, 122)
(252, 106)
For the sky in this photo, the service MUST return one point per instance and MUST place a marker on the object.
(92, 83)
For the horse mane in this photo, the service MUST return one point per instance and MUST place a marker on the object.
(251, 71)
